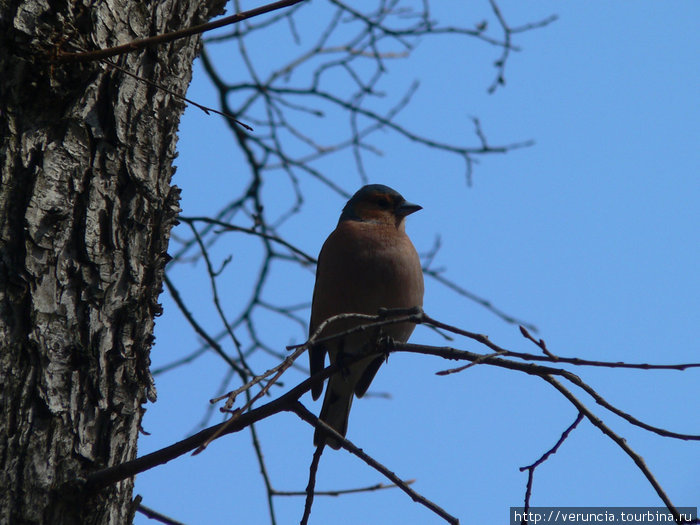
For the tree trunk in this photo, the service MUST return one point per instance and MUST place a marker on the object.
(86, 208)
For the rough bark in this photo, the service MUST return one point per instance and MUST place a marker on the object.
(86, 207)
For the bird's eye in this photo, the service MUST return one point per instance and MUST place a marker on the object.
(384, 204)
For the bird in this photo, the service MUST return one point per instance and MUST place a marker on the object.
(367, 263)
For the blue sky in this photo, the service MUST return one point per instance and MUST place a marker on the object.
(592, 234)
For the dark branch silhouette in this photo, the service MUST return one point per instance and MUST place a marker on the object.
(288, 106)
(246, 416)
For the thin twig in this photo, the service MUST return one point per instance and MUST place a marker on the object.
(531, 468)
(341, 492)
(250, 231)
(155, 515)
(479, 300)
(136, 45)
(307, 416)
(198, 328)
(621, 442)
(313, 469)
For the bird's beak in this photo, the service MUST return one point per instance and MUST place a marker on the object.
(407, 208)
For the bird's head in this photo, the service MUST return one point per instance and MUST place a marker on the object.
(378, 203)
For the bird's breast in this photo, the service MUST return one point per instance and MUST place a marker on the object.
(363, 269)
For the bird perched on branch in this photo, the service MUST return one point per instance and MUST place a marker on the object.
(367, 263)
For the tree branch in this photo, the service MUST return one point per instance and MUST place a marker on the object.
(136, 45)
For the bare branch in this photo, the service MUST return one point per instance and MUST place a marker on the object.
(531, 468)
(136, 45)
(341, 492)
(508, 33)
(621, 442)
(155, 515)
(307, 416)
(313, 469)
(289, 402)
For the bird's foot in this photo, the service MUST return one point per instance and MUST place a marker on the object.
(385, 345)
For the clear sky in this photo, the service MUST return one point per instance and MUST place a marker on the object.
(592, 234)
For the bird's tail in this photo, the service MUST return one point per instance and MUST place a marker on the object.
(335, 410)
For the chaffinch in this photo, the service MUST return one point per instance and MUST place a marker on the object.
(367, 263)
